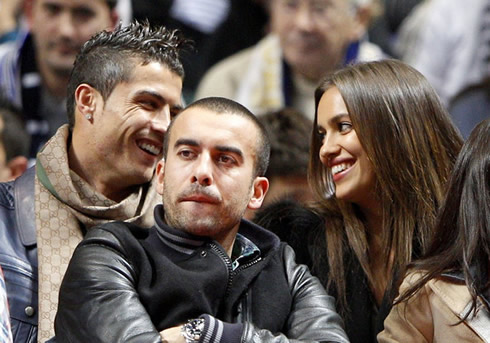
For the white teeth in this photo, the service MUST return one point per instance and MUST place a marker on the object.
(340, 168)
(152, 149)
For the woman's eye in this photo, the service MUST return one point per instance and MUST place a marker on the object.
(345, 126)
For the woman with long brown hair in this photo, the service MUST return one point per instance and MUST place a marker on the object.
(446, 296)
(381, 152)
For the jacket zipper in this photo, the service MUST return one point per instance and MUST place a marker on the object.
(226, 259)
(229, 265)
(251, 263)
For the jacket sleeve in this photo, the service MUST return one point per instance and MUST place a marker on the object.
(312, 318)
(98, 300)
(410, 321)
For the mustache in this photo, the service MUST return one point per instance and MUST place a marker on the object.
(198, 190)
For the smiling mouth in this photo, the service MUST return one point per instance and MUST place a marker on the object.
(150, 148)
(339, 168)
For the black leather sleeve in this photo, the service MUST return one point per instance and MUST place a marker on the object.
(313, 317)
(98, 301)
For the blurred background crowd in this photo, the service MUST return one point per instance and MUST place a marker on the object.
(268, 55)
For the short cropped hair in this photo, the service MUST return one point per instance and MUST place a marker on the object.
(109, 57)
(289, 133)
(14, 137)
(226, 106)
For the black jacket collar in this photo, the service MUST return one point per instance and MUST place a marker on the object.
(187, 243)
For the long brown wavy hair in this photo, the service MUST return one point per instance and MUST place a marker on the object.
(461, 240)
(412, 144)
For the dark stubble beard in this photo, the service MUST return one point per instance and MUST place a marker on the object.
(220, 221)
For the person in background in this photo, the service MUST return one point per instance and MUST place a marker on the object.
(196, 19)
(309, 38)
(289, 132)
(382, 150)
(220, 266)
(383, 31)
(246, 24)
(124, 89)
(452, 57)
(471, 106)
(446, 295)
(35, 68)
(9, 19)
(14, 142)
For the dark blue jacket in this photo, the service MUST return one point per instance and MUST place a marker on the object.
(18, 254)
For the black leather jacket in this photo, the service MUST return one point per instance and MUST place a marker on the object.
(126, 284)
(18, 255)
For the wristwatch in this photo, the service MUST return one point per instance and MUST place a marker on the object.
(192, 330)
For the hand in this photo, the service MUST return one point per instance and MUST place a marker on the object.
(172, 335)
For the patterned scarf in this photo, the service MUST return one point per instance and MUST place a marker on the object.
(66, 206)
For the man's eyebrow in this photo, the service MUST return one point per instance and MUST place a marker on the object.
(154, 94)
(186, 141)
(226, 148)
(220, 148)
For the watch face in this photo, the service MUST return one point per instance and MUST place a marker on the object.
(192, 330)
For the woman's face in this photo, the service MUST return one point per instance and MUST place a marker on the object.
(342, 153)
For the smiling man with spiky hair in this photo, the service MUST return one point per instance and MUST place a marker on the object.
(124, 89)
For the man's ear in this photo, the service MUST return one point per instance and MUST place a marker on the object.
(362, 19)
(86, 101)
(28, 8)
(260, 187)
(17, 166)
(114, 19)
(160, 173)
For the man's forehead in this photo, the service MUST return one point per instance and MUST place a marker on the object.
(200, 114)
(154, 78)
(211, 124)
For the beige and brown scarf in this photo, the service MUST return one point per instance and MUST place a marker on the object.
(66, 206)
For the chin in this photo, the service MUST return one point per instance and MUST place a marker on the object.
(201, 229)
(344, 196)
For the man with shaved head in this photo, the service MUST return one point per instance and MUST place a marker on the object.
(202, 273)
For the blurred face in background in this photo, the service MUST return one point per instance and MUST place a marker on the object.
(314, 34)
(16, 165)
(61, 27)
